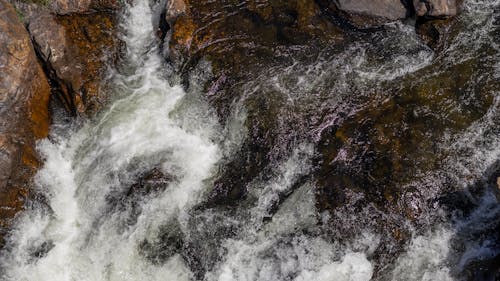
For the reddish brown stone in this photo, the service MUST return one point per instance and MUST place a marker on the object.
(24, 96)
(64, 7)
(76, 49)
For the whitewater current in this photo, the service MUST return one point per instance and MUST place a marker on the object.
(80, 232)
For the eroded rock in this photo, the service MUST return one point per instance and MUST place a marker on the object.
(64, 7)
(435, 8)
(24, 97)
(434, 19)
(76, 49)
(368, 13)
(75, 46)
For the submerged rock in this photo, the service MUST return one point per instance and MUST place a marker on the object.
(238, 41)
(228, 34)
(24, 97)
(377, 144)
(153, 181)
(483, 270)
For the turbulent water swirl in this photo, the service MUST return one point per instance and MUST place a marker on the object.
(85, 233)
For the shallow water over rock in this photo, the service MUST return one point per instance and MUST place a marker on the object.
(374, 158)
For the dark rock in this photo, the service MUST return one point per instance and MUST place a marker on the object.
(367, 13)
(168, 243)
(387, 9)
(129, 201)
(433, 32)
(225, 33)
(153, 181)
(239, 40)
(24, 96)
(483, 270)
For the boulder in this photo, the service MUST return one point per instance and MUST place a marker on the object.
(175, 8)
(75, 50)
(386, 10)
(434, 20)
(367, 13)
(64, 7)
(435, 8)
(24, 116)
(151, 182)
(76, 41)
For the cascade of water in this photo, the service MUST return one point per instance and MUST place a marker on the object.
(96, 229)
(88, 236)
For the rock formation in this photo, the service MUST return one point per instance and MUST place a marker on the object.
(62, 49)
(24, 116)
(367, 13)
(435, 8)
(76, 40)
(65, 7)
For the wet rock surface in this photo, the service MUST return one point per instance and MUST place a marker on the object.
(76, 41)
(77, 49)
(377, 148)
(348, 131)
(230, 35)
(435, 8)
(434, 19)
(24, 97)
(365, 14)
(238, 40)
(63, 49)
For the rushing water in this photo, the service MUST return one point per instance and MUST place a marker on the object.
(92, 228)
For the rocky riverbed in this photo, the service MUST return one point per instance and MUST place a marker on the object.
(249, 140)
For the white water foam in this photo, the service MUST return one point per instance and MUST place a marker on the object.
(156, 125)
(137, 132)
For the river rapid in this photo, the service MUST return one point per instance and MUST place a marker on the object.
(89, 226)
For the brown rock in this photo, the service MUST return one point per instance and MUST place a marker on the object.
(388, 9)
(432, 32)
(223, 32)
(496, 189)
(238, 41)
(175, 8)
(435, 8)
(434, 20)
(64, 7)
(24, 95)
(75, 49)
